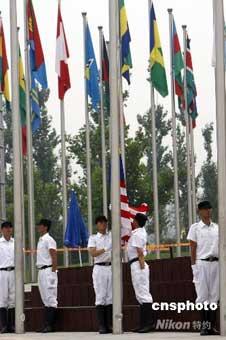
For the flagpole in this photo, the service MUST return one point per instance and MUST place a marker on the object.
(174, 132)
(103, 142)
(2, 162)
(193, 172)
(154, 156)
(22, 179)
(17, 189)
(88, 149)
(115, 75)
(64, 176)
(122, 127)
(188, 144)
(30, 177)
(218, 15)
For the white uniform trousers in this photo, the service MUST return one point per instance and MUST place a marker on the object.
(47, 283)
(206, 280)
(140, 281)
(102, 284)
(7, 289)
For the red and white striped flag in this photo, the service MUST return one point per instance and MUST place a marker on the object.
(62, 54)
(128, 212)
(126, 225)
(142, 209)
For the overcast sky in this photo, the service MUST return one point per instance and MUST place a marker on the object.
(196, 14)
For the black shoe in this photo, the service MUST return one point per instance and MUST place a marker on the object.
(212, 317)
(3, 318)
(204, 323)
(147, 319)
(50, 319)
(100, 309)
(48, 329)
(11, 320)
(204, 332)
(108, 318)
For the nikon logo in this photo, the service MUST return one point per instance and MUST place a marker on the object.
(170, 325)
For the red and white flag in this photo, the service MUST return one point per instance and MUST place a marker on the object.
(62, 55)
(128, 212)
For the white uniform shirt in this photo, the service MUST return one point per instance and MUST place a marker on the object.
(207, 239)
(138, 239)
(101, 241)
(6, 253)
(45, 243)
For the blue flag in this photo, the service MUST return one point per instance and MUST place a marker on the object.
(76, 234)
(92, 74)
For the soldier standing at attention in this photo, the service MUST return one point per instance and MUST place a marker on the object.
(100, 246)
(47, 273)
(140, 273)
(204, 239)
(7, 279)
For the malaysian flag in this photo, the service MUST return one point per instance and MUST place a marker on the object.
(128, 212)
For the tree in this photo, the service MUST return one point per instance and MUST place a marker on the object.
(208, 173)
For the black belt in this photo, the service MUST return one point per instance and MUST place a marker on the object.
(133, 260)
(211, 259)
(8, 269)
(45, 267)
(103, 264)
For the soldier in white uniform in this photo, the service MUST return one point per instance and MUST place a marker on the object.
(204, 239)
(100, 246)
(7, 279)
(47, 273)
(140, 273)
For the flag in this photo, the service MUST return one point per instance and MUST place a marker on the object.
(76, 234)
(91, 71)
(191, 87)
(105, 77)
(22, 98)
(178, 66)
(62, 55)
(126, 225)
(157, 67)
(4, 68)
(142, 209)
(37, 66)
(126, 58)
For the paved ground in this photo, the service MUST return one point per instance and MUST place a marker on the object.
(95, 336)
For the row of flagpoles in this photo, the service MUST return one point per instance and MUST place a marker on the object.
(95, 82)
(158, 82)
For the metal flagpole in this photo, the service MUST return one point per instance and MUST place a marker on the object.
(154, 157)
(188, 144)
(115, 74)
(64, 176)
(103, 142)
(88, 150)
(2, 162)
(22, 182)
(193, 172)
(218, 14)
(155, 172)
(30, 178)
(174, 126)
(17, 189)
(122, 128)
